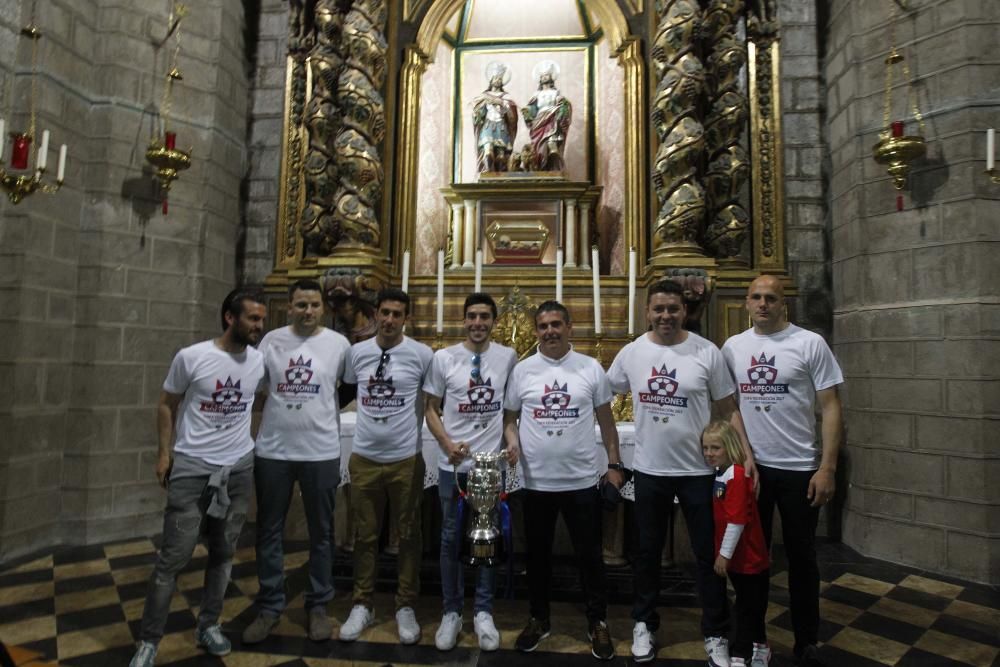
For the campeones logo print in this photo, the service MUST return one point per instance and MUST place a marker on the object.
(556, 399)
(297, 376)
(763, 375)
(480, 398)
(226, 399)
(662, 386)
(381, 394)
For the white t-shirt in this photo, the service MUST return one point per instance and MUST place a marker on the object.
(473, 407)
(556, 399)
(301, 419)
(672, 387)
(390, 407)
(778, 377)
(213, 420)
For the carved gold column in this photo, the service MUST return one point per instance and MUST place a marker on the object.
(357, 145)
(728, 163)
(676, 119)
(765, 126)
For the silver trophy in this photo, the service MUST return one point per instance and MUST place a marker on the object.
(482, 493)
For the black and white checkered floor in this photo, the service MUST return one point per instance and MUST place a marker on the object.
(82, 606)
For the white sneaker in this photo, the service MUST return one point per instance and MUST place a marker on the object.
(717, 649)
(737, 662)
(761, 655)
(447, 634)
(406, 623)
(643, 649)
(486, 631)
(359, 619)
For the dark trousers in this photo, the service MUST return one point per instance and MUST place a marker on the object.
(581, 510)
(787, 489)
(318, 481)
(751, 607)
(654, 496)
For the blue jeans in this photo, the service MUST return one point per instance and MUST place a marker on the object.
(452, 571)
(654, 496)
(318, 481)
(187, 502)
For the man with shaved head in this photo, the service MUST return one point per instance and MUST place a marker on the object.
(782, 371)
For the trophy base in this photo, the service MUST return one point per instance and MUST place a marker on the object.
(483, 553)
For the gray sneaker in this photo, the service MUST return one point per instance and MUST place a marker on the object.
(213, 641)
(260, 628)
(320, 627)
(145, 655)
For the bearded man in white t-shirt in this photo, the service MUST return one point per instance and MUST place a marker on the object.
(205, 462)
(298, 442)
(550, 405)
(676, 378)
(469, 379)
(782, 371)
(387, 463)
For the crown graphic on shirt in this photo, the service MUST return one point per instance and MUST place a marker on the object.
(555, 387)
(762, 360)
(488, 382)
(228, 385)
(663, 372)
(292, 363)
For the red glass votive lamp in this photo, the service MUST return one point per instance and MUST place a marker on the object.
(170, 140)
(897, 128)
(20, 150)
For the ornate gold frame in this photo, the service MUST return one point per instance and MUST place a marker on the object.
(401, 160)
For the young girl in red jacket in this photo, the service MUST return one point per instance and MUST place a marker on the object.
(739, 543)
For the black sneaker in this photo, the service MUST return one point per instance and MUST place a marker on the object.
(809, 657)
(533, 633)
(600, 641)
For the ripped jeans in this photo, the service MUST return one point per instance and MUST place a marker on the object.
(187, 501)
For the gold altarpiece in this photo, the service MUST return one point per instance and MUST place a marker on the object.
(702, 168)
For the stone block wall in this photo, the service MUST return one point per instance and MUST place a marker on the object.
(803, 111)
(99, 289)
(916, 312)
(267, 98)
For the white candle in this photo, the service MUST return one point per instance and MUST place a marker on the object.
(406, 270)
(479, 270)
(43, 151)
(596, 268)
(559, 268)
(990, 148)
(440, 295)
(631, 292)
(62, 163)
(3, 126)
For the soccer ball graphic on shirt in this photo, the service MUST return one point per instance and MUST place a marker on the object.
(762, 370)
(380, 388)
(481, 393)
(662, 382)
(299, 371)
(227, 393)
(555, 397)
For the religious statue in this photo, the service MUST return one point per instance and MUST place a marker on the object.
(494, 120)
(351, 296)
(547, 115)
(523, 160)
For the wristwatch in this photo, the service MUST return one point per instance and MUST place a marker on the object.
(616, 466)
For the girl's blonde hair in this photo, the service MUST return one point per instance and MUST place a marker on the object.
(727, 434)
